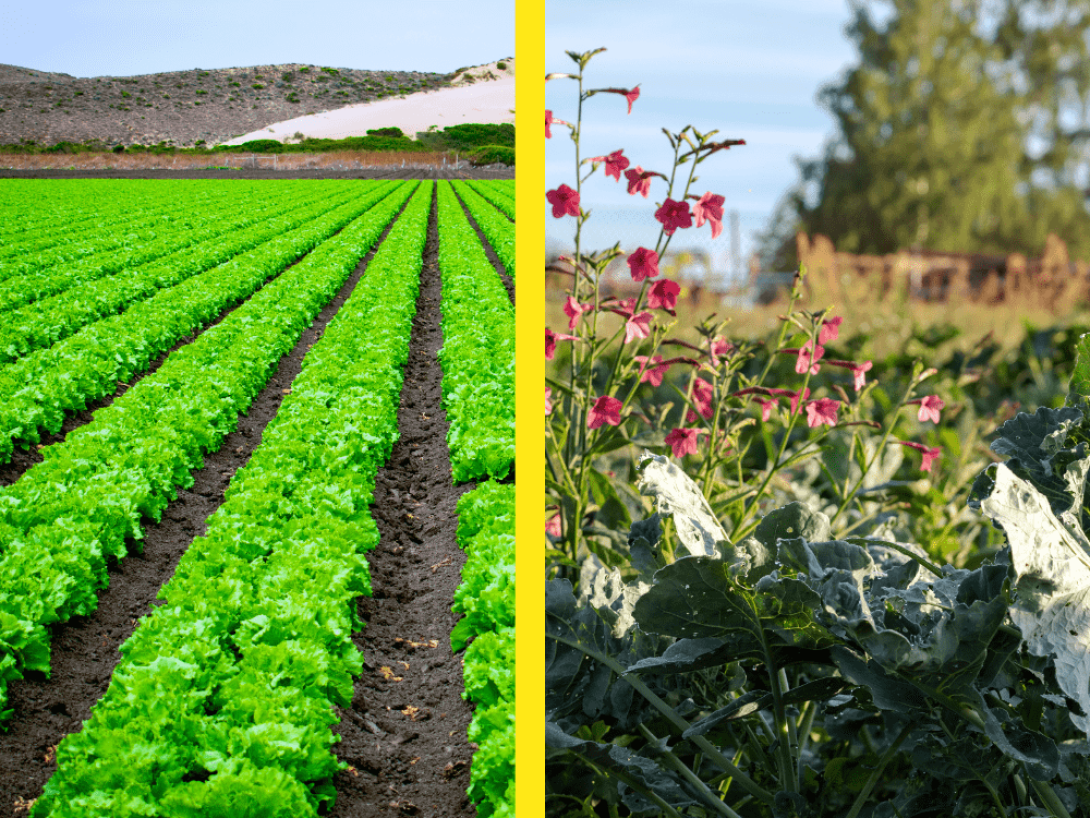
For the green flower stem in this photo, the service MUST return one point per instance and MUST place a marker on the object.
(1049, 798)
(744, 781)
(868, 462)
(804, 730)
(680, 767)
(999, 808)
(777, 681)
(775, 467)
(873, 780)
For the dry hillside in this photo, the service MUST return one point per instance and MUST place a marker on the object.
(185, 107)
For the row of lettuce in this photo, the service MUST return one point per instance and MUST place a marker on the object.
(51, 304)
(478, 387)
(478, 355)
(38, 390)
(65, 516)
(225, 694)
(190, 698)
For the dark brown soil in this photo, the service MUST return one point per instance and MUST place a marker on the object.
(405, 734)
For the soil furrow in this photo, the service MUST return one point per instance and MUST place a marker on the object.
(85, 649)
(508, 283)
(404, 736)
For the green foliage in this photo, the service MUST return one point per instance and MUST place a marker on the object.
(492, 155)
(394, 132)
(262, 146)
(478, 351)
(224, 696)
(935, 125)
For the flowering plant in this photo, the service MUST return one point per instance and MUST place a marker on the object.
(743, 422)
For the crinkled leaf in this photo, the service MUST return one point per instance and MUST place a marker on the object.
(674, 493)
(1052, 568)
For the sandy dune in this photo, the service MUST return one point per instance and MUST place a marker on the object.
(484, 101)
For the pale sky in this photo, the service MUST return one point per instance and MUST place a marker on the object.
(127, 37)
(750, 69)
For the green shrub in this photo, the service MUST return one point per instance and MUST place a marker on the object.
(502, 66)
(395, 132)
(257, 85)
(492, 155)
(261, 146)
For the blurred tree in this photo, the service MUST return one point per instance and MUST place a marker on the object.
(963, 127)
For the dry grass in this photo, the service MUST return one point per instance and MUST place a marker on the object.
(340, 160)
(889, 322)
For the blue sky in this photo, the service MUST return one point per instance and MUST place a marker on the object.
(126, 37)
(750, 69)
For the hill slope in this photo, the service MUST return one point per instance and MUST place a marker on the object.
(184, 107)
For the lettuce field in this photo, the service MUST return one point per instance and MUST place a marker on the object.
(256, 497)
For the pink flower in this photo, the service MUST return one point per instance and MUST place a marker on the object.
(710, 209)
(829, 330)
(703, 392)
(929, 455)
(683, 441)
(606, 410)
(548, 124)
(643, 263)
(721, 346)
(548, 401)
(796, 397)
(766, 407)
(639, 180)
(638, 326)
(858, 371)
(573, 309)
(663, 295)
(821, 411)
(674, 215)
(632, 96)
(552, 525)
(808, 358)
(929, 408)
(615, 163)
(550, 342)
(564, 200)
(649, 372)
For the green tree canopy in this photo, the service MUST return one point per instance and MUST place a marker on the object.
(963, 127)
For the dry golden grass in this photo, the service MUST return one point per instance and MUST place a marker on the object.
(890, 322)
(340, 160)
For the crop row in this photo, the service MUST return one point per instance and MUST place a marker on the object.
(31, 286)
(37, 391)
(500, 192)
(486, 532)
(497, 228)
(478, 354)
(235, 230)
(70, 231)
(63, 519)
(224, 697)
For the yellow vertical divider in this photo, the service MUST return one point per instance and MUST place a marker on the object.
(529, 408)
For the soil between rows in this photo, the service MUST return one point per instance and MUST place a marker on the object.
(404, 739)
